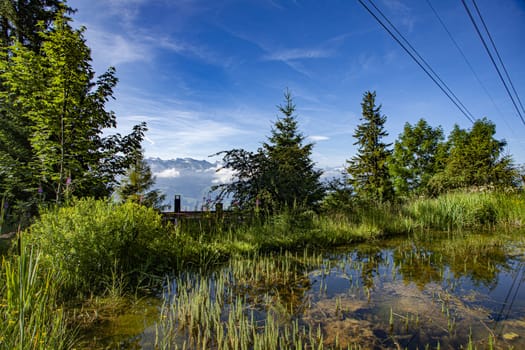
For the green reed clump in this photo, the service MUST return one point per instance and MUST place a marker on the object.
(90, 240)
(295, 229)
(510, 209)
(467, 210)
(30, 317)
(239, 308)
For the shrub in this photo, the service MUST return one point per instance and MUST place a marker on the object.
(92, 240)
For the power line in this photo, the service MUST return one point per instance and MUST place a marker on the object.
(465, 59)
(497, 54)
(492, 58)
(435, 77)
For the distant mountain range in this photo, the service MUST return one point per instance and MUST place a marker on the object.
(193, 179)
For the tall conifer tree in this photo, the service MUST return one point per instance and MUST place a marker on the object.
(138, 182)
(281, 172)
(294, 181)
(368, 170)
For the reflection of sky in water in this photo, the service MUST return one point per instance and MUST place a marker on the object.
(377, 279)
(506, 299)
(372, 284)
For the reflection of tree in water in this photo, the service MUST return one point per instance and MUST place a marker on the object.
(477, 257)
(371, 257)
(418, 265)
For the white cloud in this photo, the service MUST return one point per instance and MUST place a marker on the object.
(316, 138)
(297, 54)
(168, 173)
(111, 49)
(195, 131)
(223, 176)
(401, 12)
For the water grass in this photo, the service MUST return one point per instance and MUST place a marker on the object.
(245, 308)
(284, 300)
(469, 210)
(31, 316)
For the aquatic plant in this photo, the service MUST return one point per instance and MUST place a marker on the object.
(30, 316)
(468, 210)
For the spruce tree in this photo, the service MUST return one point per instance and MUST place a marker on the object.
(136, 185)
(368, 170)
(293, 179)
(280, 174)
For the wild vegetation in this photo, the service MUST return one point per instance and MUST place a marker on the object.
(75, 241)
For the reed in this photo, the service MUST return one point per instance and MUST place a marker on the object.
(241, 308)
(31, 316)
(469, 210)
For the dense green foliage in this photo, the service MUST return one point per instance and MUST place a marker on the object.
(91, 241)
(279, 175)
(368, 169)
(53, 115)
(475, 158)
(21, 20)
(415, 159)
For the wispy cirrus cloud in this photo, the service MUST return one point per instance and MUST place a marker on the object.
(112, 49)
(185, 128)
(297, 54)
(402, 12)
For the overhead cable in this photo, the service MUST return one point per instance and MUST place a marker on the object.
(497, 54)
(421, 62)
(456, 44)
(493, 60)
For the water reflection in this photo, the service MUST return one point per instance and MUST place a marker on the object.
(413, 293)
(428, 290)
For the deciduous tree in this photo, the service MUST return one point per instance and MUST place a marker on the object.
(475, 158)
(55, 115)
(415, 158)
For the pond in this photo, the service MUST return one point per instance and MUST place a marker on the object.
(427, 291)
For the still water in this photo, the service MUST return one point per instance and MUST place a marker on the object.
(427, 291)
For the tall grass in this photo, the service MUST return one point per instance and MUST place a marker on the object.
(30, 315)
(295, 229)
(463, 210)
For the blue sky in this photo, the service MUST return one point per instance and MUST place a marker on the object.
(207, 75)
